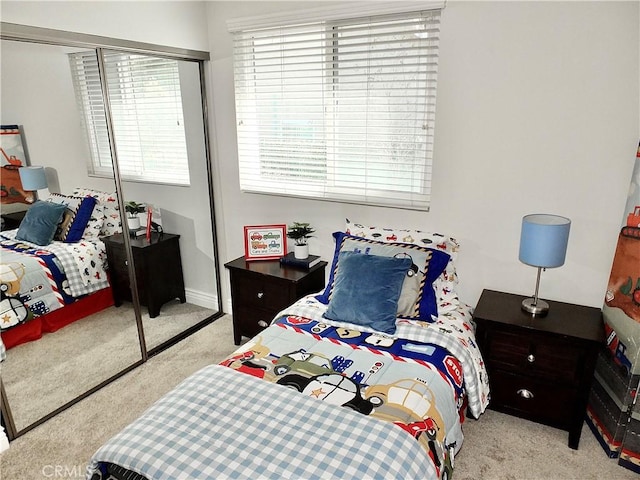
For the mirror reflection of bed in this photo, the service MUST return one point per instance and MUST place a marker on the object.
(82, 351)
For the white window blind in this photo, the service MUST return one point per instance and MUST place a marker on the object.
(146, 108)
(339, 110)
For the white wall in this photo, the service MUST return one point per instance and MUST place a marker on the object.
(180, 24)
(37, 94)
(537, 112)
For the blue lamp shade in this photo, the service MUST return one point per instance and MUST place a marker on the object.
(33, 178)
(543, 240)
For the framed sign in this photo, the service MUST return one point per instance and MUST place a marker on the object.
(265, 242)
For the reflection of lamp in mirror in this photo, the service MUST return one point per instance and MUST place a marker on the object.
(33, 178)
(543, 244)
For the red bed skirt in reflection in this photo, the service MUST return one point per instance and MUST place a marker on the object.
(33, 329)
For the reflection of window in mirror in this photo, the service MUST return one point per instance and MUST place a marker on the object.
(70, 320)
(146, 109)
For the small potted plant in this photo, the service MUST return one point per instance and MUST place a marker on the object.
(133, 209)
(299, 232)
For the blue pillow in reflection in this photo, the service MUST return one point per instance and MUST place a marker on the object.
(40, 223)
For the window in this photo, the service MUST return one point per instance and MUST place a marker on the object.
(339, 110)
(146, 108)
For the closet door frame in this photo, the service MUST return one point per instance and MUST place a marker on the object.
(30, 34)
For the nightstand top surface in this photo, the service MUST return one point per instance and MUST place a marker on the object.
(140, 242)
(563, 318)
(272, 268)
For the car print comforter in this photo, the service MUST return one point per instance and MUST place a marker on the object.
(311, 398)
(37, 280)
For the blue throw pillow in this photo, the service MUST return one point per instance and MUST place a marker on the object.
(40, 222)
(367, 289)
(417, 298)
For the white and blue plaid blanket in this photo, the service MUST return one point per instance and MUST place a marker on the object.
(83, 263)
(222, 424)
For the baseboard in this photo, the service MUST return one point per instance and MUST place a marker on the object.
(202, 299)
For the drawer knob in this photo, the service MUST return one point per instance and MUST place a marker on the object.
(263, 324)
(126, 262)
(531, 358)
(260, 294)
(524, 393)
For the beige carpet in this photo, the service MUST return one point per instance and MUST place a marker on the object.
(43, 375)
(496, 447)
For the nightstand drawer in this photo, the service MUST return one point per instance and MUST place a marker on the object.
(544, 356)
(253, 320)
(118, 272)
(258, 291)
(118, 259)
(532, 398)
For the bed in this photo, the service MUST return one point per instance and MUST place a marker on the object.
(370, 378)
(52, 268)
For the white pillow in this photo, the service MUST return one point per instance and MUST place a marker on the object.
(94, 227)
(109, 201)
(445, 285)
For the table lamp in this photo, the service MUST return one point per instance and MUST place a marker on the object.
(32, 178)
(543, 244)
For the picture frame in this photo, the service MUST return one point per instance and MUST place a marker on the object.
(265, 242)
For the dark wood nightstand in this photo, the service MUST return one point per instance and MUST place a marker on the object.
(158, 270)
(12, 220)
(262, 288)
(540, 368)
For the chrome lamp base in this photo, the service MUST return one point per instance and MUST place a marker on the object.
(535, 306)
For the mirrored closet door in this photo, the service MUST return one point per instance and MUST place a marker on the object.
(160, 287)
(42, 375)
(175, 272)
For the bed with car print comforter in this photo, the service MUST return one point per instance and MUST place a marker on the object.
(313, 398)
(370, 378)
(39, 281)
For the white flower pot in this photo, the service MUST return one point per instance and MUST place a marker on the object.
(301, 251)
(133, 222)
